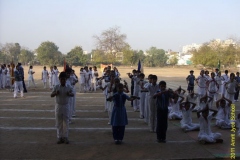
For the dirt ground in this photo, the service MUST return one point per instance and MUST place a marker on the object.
(27, 128)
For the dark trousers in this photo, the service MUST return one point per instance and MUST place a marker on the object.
(132, 89)
(118, 132)
(162, 124)
(24, 86)
(236, 95)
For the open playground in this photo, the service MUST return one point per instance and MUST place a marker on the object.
(27, 128)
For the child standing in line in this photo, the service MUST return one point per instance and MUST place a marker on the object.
(212, 88)
(68, 72)
(146, 103)
(201, 81)
(163, 96)
(152, 89)
(94, 78)
(44, 77)
(219, 79)
(18, 85)
(50, 78)
(136, 102)
(55, 76)
(231, 87)
(190, 81)
(222, 119)
(119, 115)
(62, 92)
(142, 95)
(205, 134)
(81, 81)
(225, 80)
(30, 76)
(186, 122)
(8, 76)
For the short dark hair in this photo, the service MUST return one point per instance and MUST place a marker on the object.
(62, 75)
(162, 83)
(154, 77)
(68, 70)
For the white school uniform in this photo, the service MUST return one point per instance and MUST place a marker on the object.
(105, 92)
(70, 101)
(8, 78)
(212, 90)
(230, 90)
(73, 80)
(202, 85)
(220, 82)
(142, 99)
(82, 81)
(175, 111)
(153, 108)
(4, 77)
(225, 80)
(50, 80)
(44, 78)
(136, 102)
(30, 78)
(146, 104)
(110, 104)
(186, 122)
(55, 77)
(94, 80)
(222, 119)
(205, 133)
(62, 110)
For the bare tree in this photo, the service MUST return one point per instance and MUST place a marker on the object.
(111, 41)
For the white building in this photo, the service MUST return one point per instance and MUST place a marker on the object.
(188, 48)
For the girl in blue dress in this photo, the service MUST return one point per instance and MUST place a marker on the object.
(119, 115)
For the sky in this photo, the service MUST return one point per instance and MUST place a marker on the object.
(159, 23)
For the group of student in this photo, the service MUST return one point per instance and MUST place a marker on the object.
(158, 104)
(5, 76)
(154, 101)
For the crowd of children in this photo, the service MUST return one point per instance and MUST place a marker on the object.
(154, 101)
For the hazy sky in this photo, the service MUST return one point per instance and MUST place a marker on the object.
(160, 23)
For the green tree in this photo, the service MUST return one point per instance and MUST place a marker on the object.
(11, 52)
(76, 56)
(48, 54)
(26, 56)
(128, 54)
(173, 60)
(156, 57)
(111, 41)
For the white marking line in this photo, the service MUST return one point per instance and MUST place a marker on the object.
(47, 110)
(53, 128)
(29, 92)
(38, 100)
(26, 97)
(74, 118)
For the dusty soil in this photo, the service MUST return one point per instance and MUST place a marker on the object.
(27, 128)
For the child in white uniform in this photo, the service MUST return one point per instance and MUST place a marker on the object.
(30, 76)
(44, 77)
(186, 122)
(152, 89)
(146, 105)
(142, 95)
(55, 76)
(230, 87)
(62, 92)
(212, 88)
(222, 118)
(201, 81)
(175, 112)
(8, 76)
(205, 134)
(50, 77)
(82, 81)
(220, 81)
(94, 78)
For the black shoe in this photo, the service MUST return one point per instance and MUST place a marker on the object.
(24, 91)
(66, 141)
(60, 140)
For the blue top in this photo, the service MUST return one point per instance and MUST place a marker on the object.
(119, 113)
(17, 75)
(191, 79)
(237, 79)
(163, 100)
